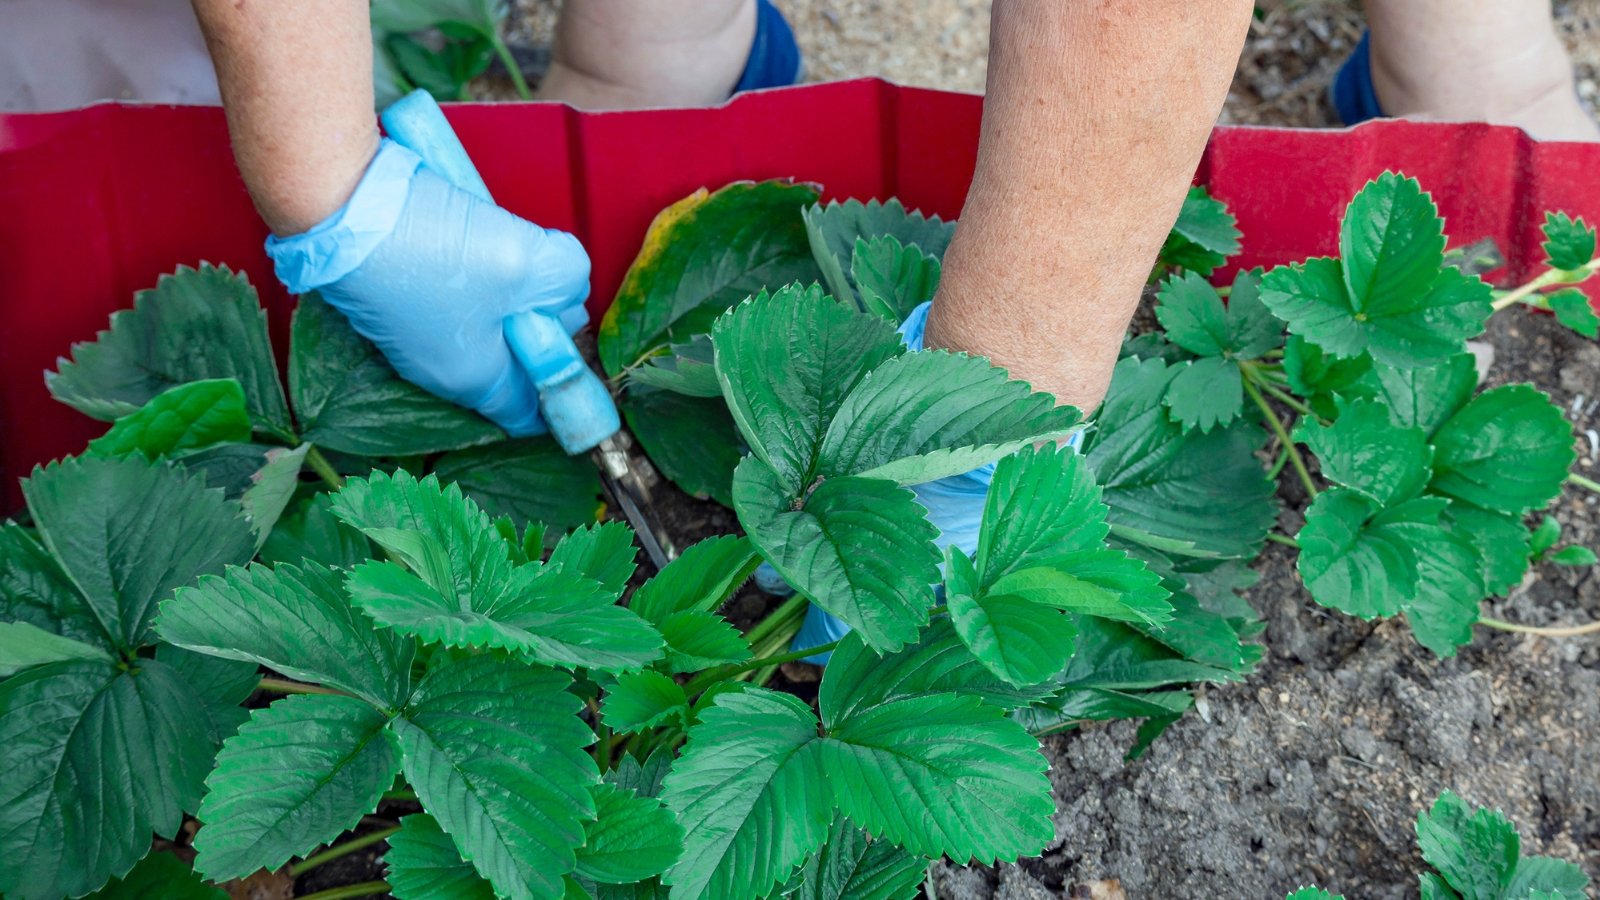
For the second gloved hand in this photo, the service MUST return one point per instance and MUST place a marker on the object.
(429, 272)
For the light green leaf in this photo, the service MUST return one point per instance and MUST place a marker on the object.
(704, 576)
(298, 774)
(1365, 451)
(1449, 589)
(698, 640)
(1195, 319)
(124, 532)
(424, 864)
(833, 230)
(296, 620)
(631, 839)
(1434, 888)
(23, 645)
(1508, 450)
(184, 417)
(751, 794)
(1573, 555)
(924, 416)
(33, 589)
(271, 488)
(640, 700)
(701, 256)
(601, 552)
(1568, 242)
(494, 750)
(1204, 236)
(98, 758)
(1318, 376)
(1104, 583)
(892, 278)
(530, 480)
(1499, 542)
(313, 533)
(348, 398)
(418, 15)
(1205, 393)
(1019, 640)
(1425, 397)
(1313, 893)
(1391, 241)
(849, 866)
(861, 548)
(787, 362)
(687, 368)
(194, 325)
(1557, 879)
(1361, 559)
(1574, 310)
(1042, 503)
(1475, 850)
(159, 875)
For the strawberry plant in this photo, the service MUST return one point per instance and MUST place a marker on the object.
(1476, 855)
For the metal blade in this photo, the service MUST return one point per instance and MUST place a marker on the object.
(619, 473)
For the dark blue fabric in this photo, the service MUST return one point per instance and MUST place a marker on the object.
(1354, 97)
(774, 55)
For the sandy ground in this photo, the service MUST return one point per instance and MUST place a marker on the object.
(1294, 49)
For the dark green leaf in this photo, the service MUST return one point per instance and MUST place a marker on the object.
(1199, 635)
(643, 778)
(1317, 376)
(494, 750)
(181, 418)
(1574, 309)
(1192, 313)
(1425, 397)
(691, 440)
(1391, 241)
(271, 488)
(424, 864)
(698, 640)
(298, 774)
(833, 230)
(348, 398)
(23, 646)
(688, 368)
(892, 278)
(631, 839)
(1568, 242)
(1361, 559)
(700, 579)
(701, 256)
(1204, 236)
(850, 866)
(229, 467)
(1475, 851)
(1499, 543)
(640, 700)
(530, 480)
(159, 875)
(602, 552)
(1017, 638)
(125, 532)
(1113, 656)
(33, 589)
(1449, 589)
(1508, 450)
(1365, 451)
(314, 534)
(1544, 537)
(1041, 503)
(1206, 393)
(195, 324)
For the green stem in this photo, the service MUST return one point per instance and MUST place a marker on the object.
(1278, 464)
(792, 608)
(285, 686)
(510, 62)
(1553, 631)
(602, 744)
(1554, 276)
(707, 678)
(1283, 539)
(400, 794)
(1287, 399)
(338, 850)
(1283, 436)
(324, 468)
(364, 889)
(1583, 482)
(929, 889)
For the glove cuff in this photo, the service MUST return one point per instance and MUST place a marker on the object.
(339, 244)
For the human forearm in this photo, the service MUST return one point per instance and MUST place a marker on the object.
(296, 79)
(1096, 116)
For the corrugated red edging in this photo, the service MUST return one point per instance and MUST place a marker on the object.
(97, 203)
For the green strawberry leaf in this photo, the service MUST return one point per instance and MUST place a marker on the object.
(631, 839)
(1365, 451)
(1544, 537)
(1390, 294)
(699, 640)
(603, 552)
(1318, 376)
(1313, 893)
(495, 751)
(1449, 588)
(1508, 450)
(892, 278)
(23, 646)
(33, 589)
(850, 866)
(194, 325)
(701, 256)
(751, 794)
(530, 480)
(1195, 319)
(1042, 503)
(159, 875)
(271, 488)
(424, 864)
(348, 398)
(1113, 656)
(861, 548)
(1568, 243)
(312, 533)
(1425, 397)
(1475, 851)
(1574, 309)
(295, 620)
(1205, 393)
(1204, 236)
(833, 230)
(1361, 559)
(924, 416)
(641, 700)
(124, 532)
(688, 368)
(1498, 541)
(1555, 879)
(1017, 638)
(182, 418)
(1573, 555)
(298, 774)
(691, 440)
(702, 578)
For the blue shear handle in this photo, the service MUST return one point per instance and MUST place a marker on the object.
(572, 399)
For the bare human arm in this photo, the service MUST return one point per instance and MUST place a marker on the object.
(296, 79)
(1096, 116)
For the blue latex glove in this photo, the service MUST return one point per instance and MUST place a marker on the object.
(954, 505)
(430, 272)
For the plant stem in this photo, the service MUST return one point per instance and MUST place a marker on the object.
(1554, 276)
(707, 678)
(792, 608)
(1583, 482)
(1552, 631)
(1284, 397)
(285, 686)
(1283, 539)
(1276, 424)
(364, 889)
(1278, 464)
(400, 794)
(510, 62)
(338, 850)
(323, 468)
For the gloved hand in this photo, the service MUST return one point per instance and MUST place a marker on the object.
(429, 273)
(954, 505)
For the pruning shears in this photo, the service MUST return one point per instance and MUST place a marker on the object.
(573, 400)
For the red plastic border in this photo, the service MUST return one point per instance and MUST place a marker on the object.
(96, 203)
